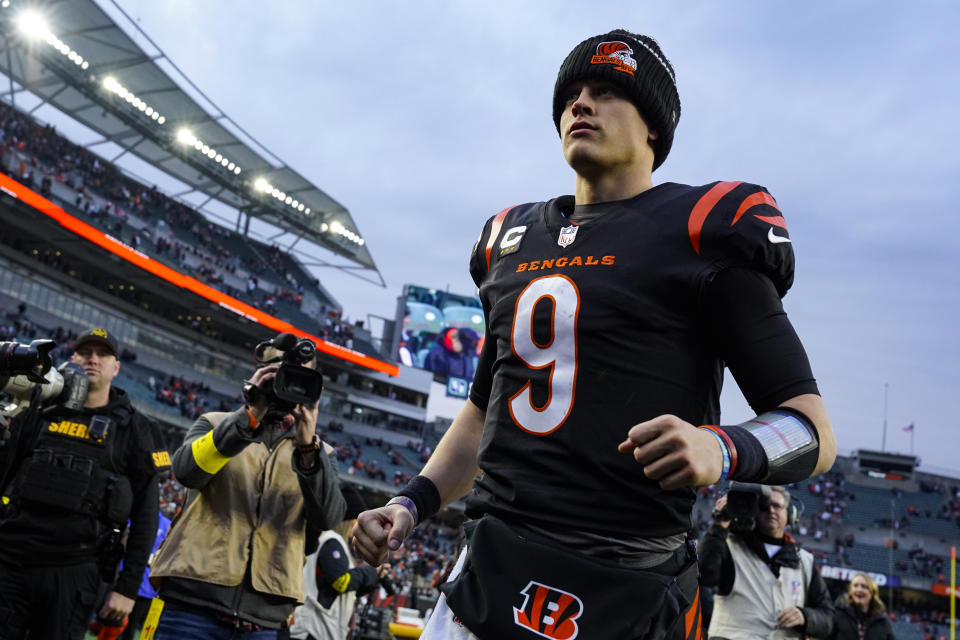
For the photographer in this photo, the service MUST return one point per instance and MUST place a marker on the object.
(260, 491)
(74, 476)
(333, 580)
(766, 586)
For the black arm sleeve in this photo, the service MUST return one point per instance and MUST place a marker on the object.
(716, 563)
(365, 578)
(143, 533)
(332, 571)
(818, 608)
(144, 515)
(483, 376)
(751, 332)
(15, 450)
(323, 504)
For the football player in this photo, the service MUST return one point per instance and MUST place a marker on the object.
(594, 411)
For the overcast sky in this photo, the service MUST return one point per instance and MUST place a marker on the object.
(425, 118)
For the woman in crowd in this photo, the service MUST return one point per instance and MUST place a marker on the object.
(860, 614)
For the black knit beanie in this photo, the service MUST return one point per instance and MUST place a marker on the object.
(636, 65)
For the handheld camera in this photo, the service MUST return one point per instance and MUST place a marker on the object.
(745, 500)
(294, 383)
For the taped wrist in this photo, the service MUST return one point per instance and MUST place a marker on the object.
(776, 447)
(425, 496)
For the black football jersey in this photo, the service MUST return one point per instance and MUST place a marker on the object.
(597, 328)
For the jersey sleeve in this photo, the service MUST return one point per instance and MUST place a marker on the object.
(737, 224)
(751, 332)
(483, 376)
(480, 259)
(478, 265)
(483, 249)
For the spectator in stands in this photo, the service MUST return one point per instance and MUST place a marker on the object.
(261, 489)
(333, 580)
(766, 585)
(860, 614)
(78, 476)
(452, 354)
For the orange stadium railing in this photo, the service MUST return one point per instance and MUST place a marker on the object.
(67, 221)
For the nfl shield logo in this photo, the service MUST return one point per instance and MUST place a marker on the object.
(567, 235)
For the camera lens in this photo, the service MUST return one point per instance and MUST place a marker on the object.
(306, 350)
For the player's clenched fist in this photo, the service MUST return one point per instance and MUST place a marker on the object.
(674, 452)
(379, 531)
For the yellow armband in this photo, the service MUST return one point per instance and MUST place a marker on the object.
(205, 454)
(340, 584)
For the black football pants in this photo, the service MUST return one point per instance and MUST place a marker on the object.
(51, 603)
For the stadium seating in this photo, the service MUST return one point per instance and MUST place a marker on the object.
(872, 508)
(916, 630)
(906, 630)
(122, 211)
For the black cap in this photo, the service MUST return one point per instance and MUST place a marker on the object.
(102, 337)
(636, 65)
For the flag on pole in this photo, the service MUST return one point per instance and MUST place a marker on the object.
(908, 428)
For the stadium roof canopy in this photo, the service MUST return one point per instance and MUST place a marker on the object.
(74, 56)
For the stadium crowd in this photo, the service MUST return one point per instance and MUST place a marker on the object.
(174, 233)
(190, 398)
(350, 453)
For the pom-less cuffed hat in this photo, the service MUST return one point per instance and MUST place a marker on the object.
(636, 65)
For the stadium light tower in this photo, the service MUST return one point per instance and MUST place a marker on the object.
(32, 24)
(186, 137)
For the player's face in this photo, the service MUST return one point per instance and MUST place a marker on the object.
(100, 365)
(602, 131)
(773, 520)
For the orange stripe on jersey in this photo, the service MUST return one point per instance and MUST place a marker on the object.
(494, 232)
(692, 619)
(700, 632)
(753, 200)
(776, 221)
(700, 211)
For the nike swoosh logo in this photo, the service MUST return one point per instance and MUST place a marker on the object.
(774, 238)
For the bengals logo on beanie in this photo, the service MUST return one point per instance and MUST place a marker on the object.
(617, 53)
(637, 66)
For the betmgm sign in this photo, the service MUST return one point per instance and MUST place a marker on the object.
(846, 574)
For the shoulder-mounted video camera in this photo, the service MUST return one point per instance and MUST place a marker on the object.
(745, 500)
(27, 378)
(294, 383)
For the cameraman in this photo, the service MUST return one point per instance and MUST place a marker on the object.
(766, 585)
(334, 580)
(261, 489)
(75, 477)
